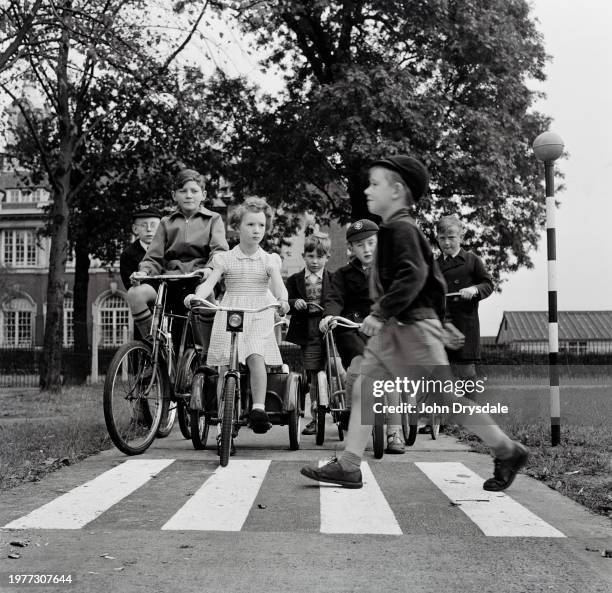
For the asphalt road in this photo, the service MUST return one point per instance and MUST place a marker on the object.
(172, 521)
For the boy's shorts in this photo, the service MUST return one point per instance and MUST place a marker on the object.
(403, 352)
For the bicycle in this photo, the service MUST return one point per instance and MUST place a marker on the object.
(146, 384)
(330, 394)
(232, 410)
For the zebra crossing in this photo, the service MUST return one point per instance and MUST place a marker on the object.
(227, 500)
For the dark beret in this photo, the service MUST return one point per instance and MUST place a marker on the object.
(412, 171)
(361, 229)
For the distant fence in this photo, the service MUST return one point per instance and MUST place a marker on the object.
(20, 367)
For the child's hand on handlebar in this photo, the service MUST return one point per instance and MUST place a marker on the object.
(137, 276)
(284, 307)
(324, 323)
(300, 305)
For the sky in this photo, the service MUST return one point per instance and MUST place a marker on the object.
(579, 99)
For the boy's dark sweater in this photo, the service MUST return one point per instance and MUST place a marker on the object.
(349, 294)
(412, 284)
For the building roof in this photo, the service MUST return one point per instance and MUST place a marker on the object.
(520, 326)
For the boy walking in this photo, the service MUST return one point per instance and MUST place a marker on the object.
(404, 323)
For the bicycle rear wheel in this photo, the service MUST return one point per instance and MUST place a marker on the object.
(435, 426)
(198, 419)
(186, 370)
(229, 393)
(322, 396)
(133, 398)
(378, 435)
(168, 418)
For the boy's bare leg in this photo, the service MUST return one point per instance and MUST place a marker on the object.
(138, 298)
(260, 422)
(358, 435)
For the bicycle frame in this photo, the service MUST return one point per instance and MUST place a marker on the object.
(233, 369)
(161, 328)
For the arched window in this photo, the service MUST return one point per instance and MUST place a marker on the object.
(114, 316)
(17, 322)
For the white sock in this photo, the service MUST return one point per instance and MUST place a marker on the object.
(258, 407)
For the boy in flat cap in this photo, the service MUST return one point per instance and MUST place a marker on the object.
(349, 296)
(407, 336)
(145, 223)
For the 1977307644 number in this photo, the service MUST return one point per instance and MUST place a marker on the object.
(39, 579)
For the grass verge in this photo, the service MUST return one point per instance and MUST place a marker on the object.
(42, 432)
(580, 467)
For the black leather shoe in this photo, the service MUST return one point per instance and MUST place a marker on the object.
(506, 469)
(334, 473)
(259, 421)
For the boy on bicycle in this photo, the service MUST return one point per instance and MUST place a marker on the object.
(186, 240)
(306, 287)
(349, 297)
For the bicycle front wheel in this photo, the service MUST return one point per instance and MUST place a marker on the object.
(133, 398)
(229, 393)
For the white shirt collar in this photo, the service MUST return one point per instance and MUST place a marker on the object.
(241, 255)
(318, 274)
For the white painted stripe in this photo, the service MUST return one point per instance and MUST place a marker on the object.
(495, 513)
(553, 337)
(223, 502)
(365, 510)
(555, 402)
(83, 504)
(551, 212)
(551, 267)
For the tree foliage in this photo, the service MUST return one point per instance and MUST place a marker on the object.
(73, 51)
(444, 80)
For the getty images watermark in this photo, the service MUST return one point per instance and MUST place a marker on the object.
(423, 393)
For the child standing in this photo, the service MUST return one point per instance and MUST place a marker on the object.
(250, 273)
(404, 324)
(464, 273)
(186, 240)
(349, 297)
(144, 225)
(309, 286)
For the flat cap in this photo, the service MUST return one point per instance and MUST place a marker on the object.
(147, 213)
(361, 229)
(412, 171)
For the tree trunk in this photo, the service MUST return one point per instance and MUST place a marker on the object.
(51, 363)
(80, 360)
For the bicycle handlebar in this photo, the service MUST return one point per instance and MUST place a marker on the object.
(207, 305)
(343, 322)
(162, 277)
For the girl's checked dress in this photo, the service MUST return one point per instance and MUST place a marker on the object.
(246, 287)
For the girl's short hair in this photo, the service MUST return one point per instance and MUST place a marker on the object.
(319, 242)
(185, 175)
(252, 205)
(450, 222)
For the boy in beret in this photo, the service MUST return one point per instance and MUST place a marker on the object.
(349, 297)
(407, 336)
(144, 225)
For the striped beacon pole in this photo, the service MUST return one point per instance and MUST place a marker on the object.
(548, 147)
